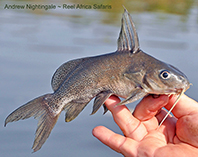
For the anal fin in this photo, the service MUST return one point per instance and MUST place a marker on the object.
(105, 109)
(73, 109)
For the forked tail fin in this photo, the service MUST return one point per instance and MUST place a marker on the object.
(39, 109)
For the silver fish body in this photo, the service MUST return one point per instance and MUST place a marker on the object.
(128, 73)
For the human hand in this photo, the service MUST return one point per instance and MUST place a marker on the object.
(177, 136)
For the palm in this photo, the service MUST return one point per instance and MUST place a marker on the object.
(142, 137)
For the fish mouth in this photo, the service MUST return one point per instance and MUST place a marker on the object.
(180, 90)
(175, 91)
(167, 93)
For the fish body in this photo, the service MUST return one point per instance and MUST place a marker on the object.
(128, 73)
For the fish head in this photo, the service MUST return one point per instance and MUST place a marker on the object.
(145, 71)
(165, 79)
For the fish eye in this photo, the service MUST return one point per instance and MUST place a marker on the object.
(165, 74)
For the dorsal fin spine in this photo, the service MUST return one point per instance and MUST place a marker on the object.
(128, 38)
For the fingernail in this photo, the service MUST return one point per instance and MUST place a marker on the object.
(155, 96)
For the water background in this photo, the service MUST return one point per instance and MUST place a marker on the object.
(34, 43)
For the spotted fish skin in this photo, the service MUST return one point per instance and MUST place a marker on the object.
(128, 73)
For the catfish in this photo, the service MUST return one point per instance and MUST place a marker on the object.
(128, 73)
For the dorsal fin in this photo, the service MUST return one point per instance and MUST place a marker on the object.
(128, 38)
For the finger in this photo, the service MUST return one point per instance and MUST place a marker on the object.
(184, 107)
(186, 111)
(130, 126)
(149, 106)
(119, 143)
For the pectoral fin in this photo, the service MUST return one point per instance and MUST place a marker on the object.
(136, 94)
(99, 101)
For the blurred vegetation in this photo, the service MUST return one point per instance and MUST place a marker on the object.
(167, 6)
(178, 7)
